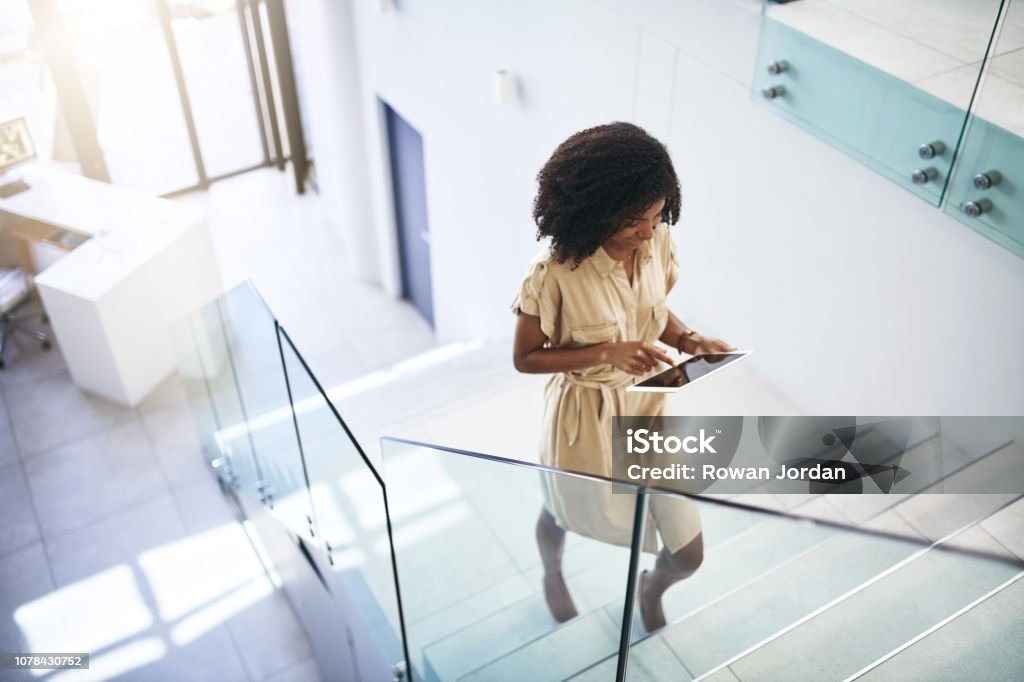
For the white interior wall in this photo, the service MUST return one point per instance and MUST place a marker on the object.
(323, 38)
(858, 297)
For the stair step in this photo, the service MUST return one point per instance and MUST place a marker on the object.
(778, 598)
(874, 620)
(595, 573)
(976, 442)
(1007, 526)
(487, 640)
(984, 643)
(447, 621)
(930, 462)
(735, 564)
(557, 656)
(936, 514)
(649, 661)
(432, 558)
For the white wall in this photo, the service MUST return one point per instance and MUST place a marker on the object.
(323, 43)
(858, 297)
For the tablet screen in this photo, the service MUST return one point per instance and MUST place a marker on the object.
(688, 371)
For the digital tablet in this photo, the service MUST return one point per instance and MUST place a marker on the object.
(689, 371)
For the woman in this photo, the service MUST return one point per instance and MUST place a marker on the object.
(589, 311)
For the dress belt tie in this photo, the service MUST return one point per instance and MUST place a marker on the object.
(607, 383)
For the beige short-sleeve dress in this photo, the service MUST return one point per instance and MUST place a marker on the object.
(579, 307)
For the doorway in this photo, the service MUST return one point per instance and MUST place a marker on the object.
(405, 148)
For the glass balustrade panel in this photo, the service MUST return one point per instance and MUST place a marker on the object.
(492, 586)
(776, 597)
(255, 357)
(987, 187)
(350, 519)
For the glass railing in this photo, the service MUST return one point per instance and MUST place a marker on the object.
(486, 575)
(433, 563)
(276, 441)
(350, 514)
(754, 594)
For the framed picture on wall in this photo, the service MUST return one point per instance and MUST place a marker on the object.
(15, 143)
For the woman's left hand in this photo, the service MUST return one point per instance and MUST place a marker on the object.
(702, 345)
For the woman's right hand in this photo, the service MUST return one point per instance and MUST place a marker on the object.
(633, 357)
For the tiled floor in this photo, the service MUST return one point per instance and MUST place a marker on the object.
(116, 541)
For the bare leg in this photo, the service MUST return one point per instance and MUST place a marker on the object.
(669, 569)
(551, 543)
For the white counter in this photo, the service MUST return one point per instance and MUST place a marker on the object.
(112, 300)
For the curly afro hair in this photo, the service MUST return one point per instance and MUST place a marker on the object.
(595, 182)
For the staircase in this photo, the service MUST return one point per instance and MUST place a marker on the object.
(934, 590)
(777, 598)
(908, 585)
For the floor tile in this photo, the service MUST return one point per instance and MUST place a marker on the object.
(1000, 102)
(152, 601)
(203, 505)
(957, 28)
(209, 658)
(25, 360)
(982, 644)
(269, 636)
(865, 40)
(304, 671)
(8, 448)
(52, 411)
(115, 540)
(172, 435)
(1010, 66)
(19, 527)
(1007, 527)
(92, 477)
(26, 624)
(170, 393)
(1012, 35)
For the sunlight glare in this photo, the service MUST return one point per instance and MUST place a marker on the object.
(96, 612)
(179, 572)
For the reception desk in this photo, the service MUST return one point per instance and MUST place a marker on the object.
(132, 265)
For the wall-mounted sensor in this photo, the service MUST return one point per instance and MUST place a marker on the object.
(504, 88)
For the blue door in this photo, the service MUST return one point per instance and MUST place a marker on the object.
(410, 195)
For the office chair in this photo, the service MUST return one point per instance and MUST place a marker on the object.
(14, 291)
